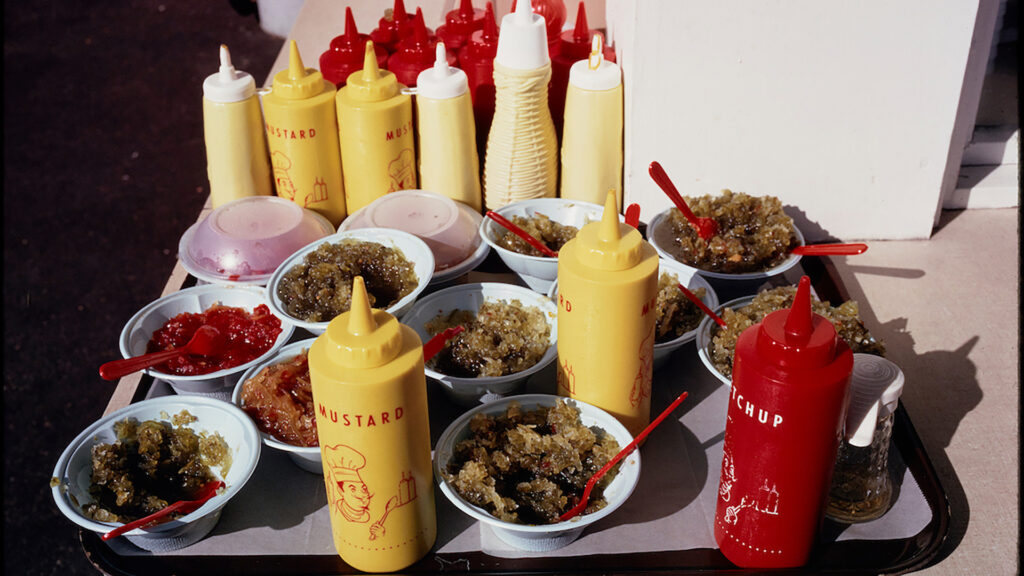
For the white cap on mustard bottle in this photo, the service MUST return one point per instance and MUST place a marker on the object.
(441, 81)
(369, 393)
(595, 73)
(228, 84)
(523, 41)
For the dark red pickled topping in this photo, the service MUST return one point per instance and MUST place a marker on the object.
(247, 335)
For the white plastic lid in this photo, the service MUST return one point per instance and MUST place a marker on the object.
(595, 73)
(441, 81)
(875, 389)
(523, 39)
(228, 85)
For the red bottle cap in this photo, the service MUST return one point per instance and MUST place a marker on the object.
(459, 24)
(574, 45)
(346, 53)
(411, 36)
(389, 28)
(415, 54)
(797, 337)
(483, 43)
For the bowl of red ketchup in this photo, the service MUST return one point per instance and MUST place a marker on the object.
(249, 334)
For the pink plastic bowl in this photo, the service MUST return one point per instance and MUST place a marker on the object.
(448, 227)
(245, 240)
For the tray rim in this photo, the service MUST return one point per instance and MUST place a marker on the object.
(910, 554)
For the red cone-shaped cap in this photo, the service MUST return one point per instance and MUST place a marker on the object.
(581, 33)
(798, 323)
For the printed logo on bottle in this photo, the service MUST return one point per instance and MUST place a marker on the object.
(402, 171)
(350, 497)
(290, 133)
(282, 164)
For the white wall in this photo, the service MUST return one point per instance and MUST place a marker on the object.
(844, 110)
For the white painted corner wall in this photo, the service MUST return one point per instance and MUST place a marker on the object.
(846, 111)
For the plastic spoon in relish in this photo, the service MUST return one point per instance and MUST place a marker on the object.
(436, 344)
(181, 506)
(207, 341)
(831, 249)
(706, 227)
(522, 234)
(582, 504)
(700, 304)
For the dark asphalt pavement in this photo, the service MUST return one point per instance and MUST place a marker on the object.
(104, 169)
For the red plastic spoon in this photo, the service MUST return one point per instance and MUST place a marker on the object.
(633, 215)
(582, 505)
(706, 227)
(700, 304)
(831, 249)
(436, 344)
(182, 506)
(207, 341)
(522, 234)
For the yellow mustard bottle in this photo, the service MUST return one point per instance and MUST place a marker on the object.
(370, 397)
(237, 161)
(378, 148)
(446, 134)
(607, 294)
(302, 130)
(592, 133)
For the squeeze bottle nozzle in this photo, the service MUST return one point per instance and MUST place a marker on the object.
(360, 322)
(594, 61)
(227, 71)
(609, 232)
(370, 70)
(798, 323)
(441, 68)
(296, 70)
(228, 84)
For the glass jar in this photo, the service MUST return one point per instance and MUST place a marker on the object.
(862, 485)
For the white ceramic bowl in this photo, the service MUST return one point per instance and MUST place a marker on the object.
(305, 457)
(448, 227)
(550, 536)
(538, 272)
(74, 468)
(472, 391)
(705, 333)
(684, 275)
(243, 241)
(140, 328)
(662, 218)
(415, 251)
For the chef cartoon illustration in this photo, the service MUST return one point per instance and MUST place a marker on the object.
(351, 497)
(349, 494)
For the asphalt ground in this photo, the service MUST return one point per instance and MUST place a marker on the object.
(104, 169)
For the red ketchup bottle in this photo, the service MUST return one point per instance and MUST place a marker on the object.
(391, 26)
(346, 53)
(476, 59)
(553, 12)
(416, 53)
(459, 24)
(573, 46)
(790, 389)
